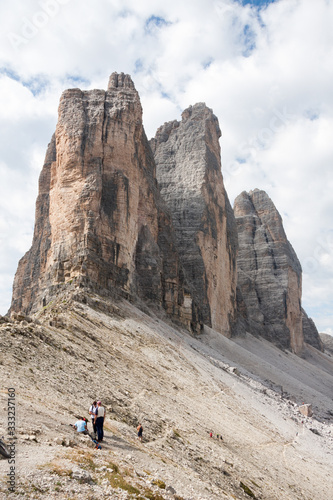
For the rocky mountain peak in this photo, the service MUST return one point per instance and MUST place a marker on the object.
(201, 112)
(100, 219)
(152, 222)
(120, 80)
(270, 274)
(188, 169)
(258, 204)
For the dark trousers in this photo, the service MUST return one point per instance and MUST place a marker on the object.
(94, 426)
(99, 428)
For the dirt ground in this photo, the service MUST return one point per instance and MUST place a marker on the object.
(82, 347)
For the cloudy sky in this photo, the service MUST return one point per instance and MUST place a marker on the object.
(264, 67)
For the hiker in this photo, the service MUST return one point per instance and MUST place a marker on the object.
(92, 411)
(140, 430)
(81, 426)
(99, 421)
(210, 434)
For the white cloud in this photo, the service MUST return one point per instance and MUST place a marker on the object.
(267, 75)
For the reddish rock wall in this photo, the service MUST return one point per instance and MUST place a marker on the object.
(100, 219)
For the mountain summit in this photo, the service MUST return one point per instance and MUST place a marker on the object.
(100, 219)
(152, 223)
(188, 169)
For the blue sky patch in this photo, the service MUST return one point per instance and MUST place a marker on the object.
(155, 22)
(249, 38)
(138, 66)
(11, 74)
(257, 3)
(312, 114)
(207, 63)
(36, 85)
(77, 80)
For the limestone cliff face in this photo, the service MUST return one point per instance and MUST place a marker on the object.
(100, 219)
(188, 168)
(310, 332)
(153, 223)
(269, 272)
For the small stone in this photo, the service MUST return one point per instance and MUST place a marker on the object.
(81, 475)
(315, 431)
(234, 370)
(306, 410)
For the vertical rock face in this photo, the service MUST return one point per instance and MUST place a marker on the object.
(269, 272)
(153, 222)
(310, 332)
(188, 168)
(100, 219)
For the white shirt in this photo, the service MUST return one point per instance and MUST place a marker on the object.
(93, 410)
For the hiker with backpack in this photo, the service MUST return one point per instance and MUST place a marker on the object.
(99, 421)
(92, 412)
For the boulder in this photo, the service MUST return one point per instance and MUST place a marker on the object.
(306, 410)
(81, 475)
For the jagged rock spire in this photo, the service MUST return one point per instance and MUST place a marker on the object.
(269, 272)
(120, 80)
(188, 166)
(100, 220)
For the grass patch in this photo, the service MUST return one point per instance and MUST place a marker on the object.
(88, 463)
(58, 470)
(38, 489)
(247, 490)
(114, 467)
(159, 483)
(117, 480)
(152, 496)
(83, 458)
